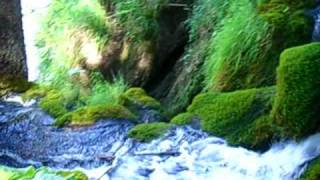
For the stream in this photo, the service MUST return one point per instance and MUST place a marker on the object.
(103, 151)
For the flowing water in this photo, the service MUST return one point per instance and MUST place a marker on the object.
(104, 151)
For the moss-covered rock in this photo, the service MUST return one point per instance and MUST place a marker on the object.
(297, 102)
(290, 24)
(233, 115)
(89, 115)
(7, 173)
(135, 98)
(54, 104)
(148, 132)
(13, 84)
(313, 171)
(35, 91)
(182, 119)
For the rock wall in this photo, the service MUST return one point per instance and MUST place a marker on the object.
(12, 49)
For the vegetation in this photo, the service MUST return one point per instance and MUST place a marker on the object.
(240, 41)
(182, 119)
(90, 114)
(139, 17)
(7, 173)
(313, 171)
(134, 98)
(296, 106)
(13, 84)
(148, 132)
(234, 115)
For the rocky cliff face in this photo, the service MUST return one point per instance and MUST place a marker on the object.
(13, 67)
(12, 53)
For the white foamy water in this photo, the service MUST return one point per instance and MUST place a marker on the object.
(209, 158)
(32, 11)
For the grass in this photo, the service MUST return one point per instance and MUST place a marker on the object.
(139, 17)
(239, 42)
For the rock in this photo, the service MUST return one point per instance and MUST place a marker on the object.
(296, 107)
(13, 65)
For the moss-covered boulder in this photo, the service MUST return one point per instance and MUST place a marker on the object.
(13, 84)
(148, 132)
(89, 115)
(235, 115)
(7, 173)
(183, 119)
(54, 104)
(313, 171)
(36, 91)
(290, 24)
(297, 103)
(136, 98)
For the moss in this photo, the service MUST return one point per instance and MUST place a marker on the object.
(7, 173)
(75, 175)
(13, 84)
(148, 132)
(89, 115)
(261, 133)
(35, 91)
(182, 119)
(53, 103)
(137, 97)
(296, 106)
(289, 22)
(230, 115)
(313, 171)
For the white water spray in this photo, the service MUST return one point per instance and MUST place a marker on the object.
(210, 158)
(32, 11)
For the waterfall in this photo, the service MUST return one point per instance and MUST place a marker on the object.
(32, 12)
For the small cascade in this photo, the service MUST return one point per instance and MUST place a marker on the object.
(104, 151)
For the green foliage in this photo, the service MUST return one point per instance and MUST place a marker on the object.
(206, 15)
(148, 132)
(68, 27)
(7, 173)
(232, 115)
(90, 114)
(134, 98)
(54, 104)
(290, 25)
(139, 17)
(35, 91)
(240, 42)
(313, 171)
(103, 92)
(296, 106)
(182, 119)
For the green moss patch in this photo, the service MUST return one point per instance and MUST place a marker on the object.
(137, 97)
(7, 173)
(313, 171)
(182, 119)
(13, 84)
(54, 104)
(232, 115)
(89, 115)
(297, 102)
(148, 132)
